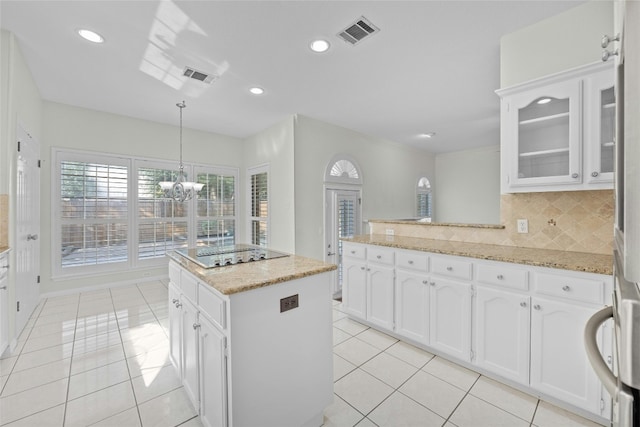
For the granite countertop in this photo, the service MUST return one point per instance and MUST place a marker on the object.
(438, 224)
(566, 260)
(232, 279)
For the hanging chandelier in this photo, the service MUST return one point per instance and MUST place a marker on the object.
(180, 190)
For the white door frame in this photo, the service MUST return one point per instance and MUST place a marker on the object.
(27, 241)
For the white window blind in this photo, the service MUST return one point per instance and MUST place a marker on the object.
(259, 208)
(162, 222)
(93, 206)
(216, 209)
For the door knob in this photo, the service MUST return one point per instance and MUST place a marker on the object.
(32, 237)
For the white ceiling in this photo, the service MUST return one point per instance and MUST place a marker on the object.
(433, 67)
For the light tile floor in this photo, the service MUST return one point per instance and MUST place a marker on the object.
(101, 358)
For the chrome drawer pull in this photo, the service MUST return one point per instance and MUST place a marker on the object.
(500, 277)
(379, 256)
(432, 283)
(537, 307)
(353, 252)
(449, 268)
(425, 282)
(523, 304)
(566, 288)
(196, 326)
(410, 262)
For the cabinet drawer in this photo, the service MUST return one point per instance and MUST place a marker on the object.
(212, 305)
(412, 260)
(380, 255)
(189, 286)
(451, 267)
(354, 251)
(575, 288)
(502, 275)
(174, 273)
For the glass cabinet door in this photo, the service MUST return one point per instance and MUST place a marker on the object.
(600, 95)
(547, 132)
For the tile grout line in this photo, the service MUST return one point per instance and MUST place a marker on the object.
(73, 346)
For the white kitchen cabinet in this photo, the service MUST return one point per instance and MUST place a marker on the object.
(190, 360)
(175, 327)
(502, 331)
(380, 295)
(213, 374)
(412, 306)
(450, 317)
(354, 287)
(557, 132)
(559, 364)
(4, 309)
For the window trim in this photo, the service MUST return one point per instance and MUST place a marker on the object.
(255, 170)
(133, 163)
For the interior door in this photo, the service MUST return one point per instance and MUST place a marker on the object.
(342, 220)
(27, 290)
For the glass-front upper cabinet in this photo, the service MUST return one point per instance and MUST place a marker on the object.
(600, 113)
(557, 132)
(546, 135)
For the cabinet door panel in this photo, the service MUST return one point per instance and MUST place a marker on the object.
(450, 318)
(380, 296)
(559, 364)
(175, 328)
(412, 306)
(354, 288)
(213, 376)
(502, 333)
(190, 351)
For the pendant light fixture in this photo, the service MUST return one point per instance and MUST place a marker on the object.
(181, 190)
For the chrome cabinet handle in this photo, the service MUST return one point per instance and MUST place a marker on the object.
(378, 256)
(32, 237)
(574, 175)
(178, 305)
(362, 268)
(523, 304)
(410, 262)
(425, 282)
(174, 301)
(606, 54)
(196, 326)
(594, 174)
(500, 277)
(449, 268)
(608, 39)
(432, 283)
(566, 288)
(537, 307)
(353, 252)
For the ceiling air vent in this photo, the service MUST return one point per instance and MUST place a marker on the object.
(199, 75)
(361, 29)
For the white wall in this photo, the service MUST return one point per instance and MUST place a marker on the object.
(467, 189)
(273, 146)
(558, 43)
(390, 172)
(77, 128)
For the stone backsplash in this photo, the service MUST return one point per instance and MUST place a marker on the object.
(4, 220)
(580, 221)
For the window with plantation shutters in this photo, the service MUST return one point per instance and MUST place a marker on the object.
(162, 222)
(93, 201)
(423, 193)
(259, 206)
(216, 208)
(109, 213)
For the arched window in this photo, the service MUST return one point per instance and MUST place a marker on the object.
(343, 170)
(424, 206)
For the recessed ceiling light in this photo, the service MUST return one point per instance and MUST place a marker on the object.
(319, 46)
(544, 100)
(256, 90)
(91, 36)
(427, 135)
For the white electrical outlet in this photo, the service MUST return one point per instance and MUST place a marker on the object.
(523, 226)
(389, 231)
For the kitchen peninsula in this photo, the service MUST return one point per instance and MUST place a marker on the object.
(242, 336)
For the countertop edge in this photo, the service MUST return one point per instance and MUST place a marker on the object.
(581, 261)
(438, 224)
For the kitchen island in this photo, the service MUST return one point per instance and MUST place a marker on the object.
(252, 341)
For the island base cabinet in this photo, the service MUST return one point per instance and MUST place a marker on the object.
(175, 328)
(190, 374)
(502, 333)
(354, 289)
(380, 296)
(450, 318)
(412, 306)
(213, 375)
(559, 364)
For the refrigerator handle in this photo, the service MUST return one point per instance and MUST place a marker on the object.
(593, 353)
